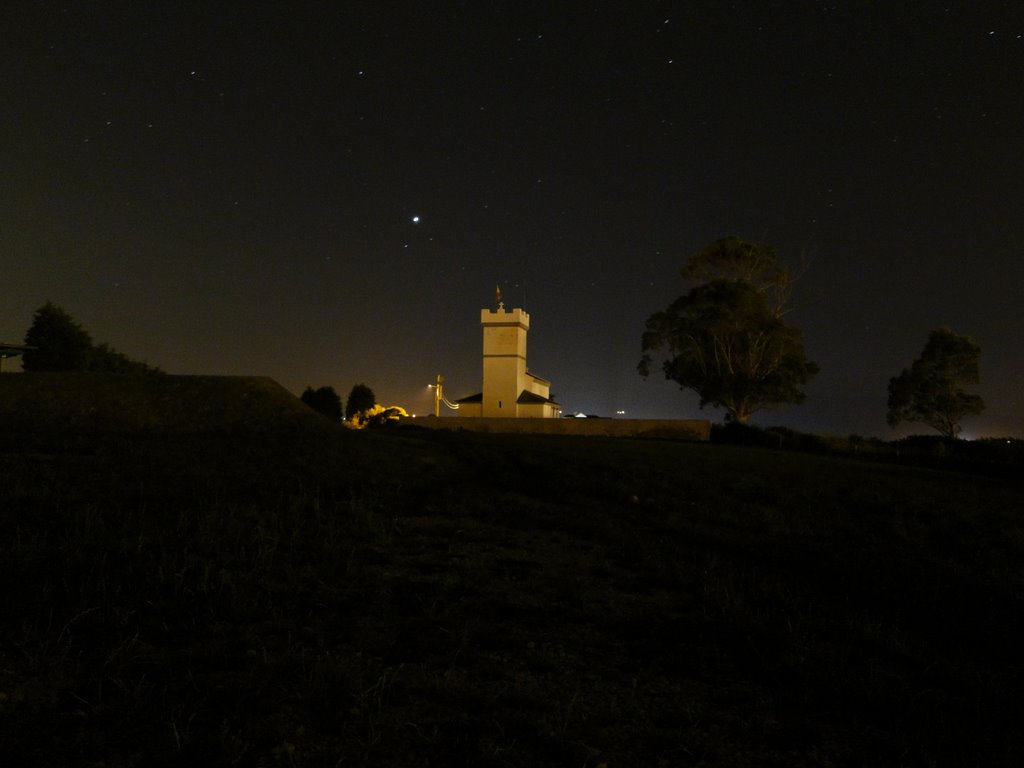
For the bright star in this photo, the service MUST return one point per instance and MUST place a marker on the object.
(415, 219)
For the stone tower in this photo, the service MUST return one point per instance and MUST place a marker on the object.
(510, 391)
(504, 360)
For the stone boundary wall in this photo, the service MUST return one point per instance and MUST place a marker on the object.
(677, 429)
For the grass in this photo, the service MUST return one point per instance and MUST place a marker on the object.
(278, 592)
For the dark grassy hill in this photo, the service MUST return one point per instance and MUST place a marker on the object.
(310, 596)
(169, 404)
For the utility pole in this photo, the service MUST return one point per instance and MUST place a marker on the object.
(438, 395)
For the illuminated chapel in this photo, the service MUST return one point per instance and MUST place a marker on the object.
(510, 390)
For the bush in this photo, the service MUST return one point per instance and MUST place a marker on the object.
(323, 400)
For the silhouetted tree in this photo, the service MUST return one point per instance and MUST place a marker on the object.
(931, 390)
(734, 259)
(725, 339)
(360, 399)
(323, 400)
(61, 344)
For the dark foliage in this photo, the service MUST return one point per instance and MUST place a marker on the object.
(386, 417)
(104, 359)
(360, 399)
(932, 389)
(734, 259)
(62, 344)
(724, 341)
(324, 400)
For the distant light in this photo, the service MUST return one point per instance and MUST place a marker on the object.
(415, 219)
(620, 413)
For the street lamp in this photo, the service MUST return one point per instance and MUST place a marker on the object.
(439, 397)
(438, 388)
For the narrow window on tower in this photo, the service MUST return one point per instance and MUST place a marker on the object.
(499, 404)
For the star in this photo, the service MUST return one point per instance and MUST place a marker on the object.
(415, 219)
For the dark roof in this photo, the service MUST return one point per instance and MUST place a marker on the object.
(525, 398)
(13, 350)
(535, 377)
(531, 398)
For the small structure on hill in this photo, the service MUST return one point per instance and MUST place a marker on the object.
(509, 389)
(12, 350)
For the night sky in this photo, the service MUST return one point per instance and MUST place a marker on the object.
(328, 193)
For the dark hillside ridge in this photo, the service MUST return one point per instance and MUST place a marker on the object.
(162, 403)
(677, 429)
(274, 589)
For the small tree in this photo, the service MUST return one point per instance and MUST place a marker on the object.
(931, 390)
(60, 343)
(323, 400)
(360, 399)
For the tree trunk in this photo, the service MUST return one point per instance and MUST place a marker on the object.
(739, 415)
